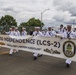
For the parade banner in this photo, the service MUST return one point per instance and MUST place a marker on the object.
(51, 46)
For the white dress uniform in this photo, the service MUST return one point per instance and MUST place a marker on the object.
(17, 33)
(8, 33)
(68, 35)
(24, 33)
(61, 31)
(13, 34)
(75, 33)
(35, 33)
(44, 33)
(51, 33)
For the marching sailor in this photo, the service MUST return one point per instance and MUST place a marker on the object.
(61, 30)
(70, 35)
(10, 29)
(17, 33)
(65, 29)
(74, 30)
(50, 33)
(37, 33)
(12, 33)
(44, 32)
(24, 33)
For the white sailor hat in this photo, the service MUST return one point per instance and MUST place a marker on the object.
(37, 27)
(10, 28)
(16, 28)
(13, 26)
(49, 27)
(23, 28)
(69, 25)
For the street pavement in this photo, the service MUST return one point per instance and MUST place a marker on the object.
(22, 63)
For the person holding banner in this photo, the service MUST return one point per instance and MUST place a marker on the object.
(50, 33)
(17, 33)
(70, 35)
(61, 30)
(74, 32)
(65, 29)
(44, 32)
(12, 33)
(37, 33)
(24, 33)
(10, 29)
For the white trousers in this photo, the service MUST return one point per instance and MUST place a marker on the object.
(35, 54)
(15, 51)
(68, 61)
(11, 51)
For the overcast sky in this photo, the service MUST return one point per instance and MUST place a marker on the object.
(61, 11)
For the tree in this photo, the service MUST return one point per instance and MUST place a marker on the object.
(31, 23)
(23, 24)
(7, 21)
(35, 22)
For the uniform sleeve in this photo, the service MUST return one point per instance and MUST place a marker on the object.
(25, 32)
(7, 33)
(40, 34)
(64, 35)
(54, 33)
(72, 35)
(33, 33)
(47, 34)
(18, 33)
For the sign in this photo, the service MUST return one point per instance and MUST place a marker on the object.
(69, 49)
(51, 46)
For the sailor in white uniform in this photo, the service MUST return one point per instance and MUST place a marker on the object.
(8, 31)
(50, 33)
(44, 32)
(17, 33)
(37, 33)
(74, 30)
(70, 35)
(24, 33)
(61, 30)
(12, 32)
(65, 29)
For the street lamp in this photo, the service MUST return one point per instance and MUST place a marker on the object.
(42, 15)
(74, 23)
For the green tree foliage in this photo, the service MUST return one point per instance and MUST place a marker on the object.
(23, 24)
(34, 22)
(31, 23)
(7, 21)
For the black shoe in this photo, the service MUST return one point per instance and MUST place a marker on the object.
(67, 65)
(10, 54)
(40, 55)
(35, 58)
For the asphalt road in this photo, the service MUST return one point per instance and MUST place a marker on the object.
(22, 63)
